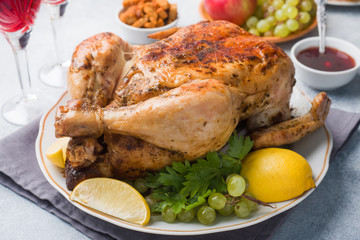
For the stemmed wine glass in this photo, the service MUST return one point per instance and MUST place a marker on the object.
(54, 74)
(16, 20)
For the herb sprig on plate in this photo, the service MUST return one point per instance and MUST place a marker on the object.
(183, 186)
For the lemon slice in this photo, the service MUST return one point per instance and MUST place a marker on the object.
(112, 197)
(56, 153)
(276, 174)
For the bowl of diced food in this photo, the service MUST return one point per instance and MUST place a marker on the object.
(275, 20)
(139, 19)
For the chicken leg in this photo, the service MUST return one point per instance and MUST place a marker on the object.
(200, 114)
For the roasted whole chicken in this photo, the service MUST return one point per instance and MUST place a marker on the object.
(136, 109)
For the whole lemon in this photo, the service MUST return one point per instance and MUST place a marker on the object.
(277, 174)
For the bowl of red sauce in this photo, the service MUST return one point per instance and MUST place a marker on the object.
(327, 71)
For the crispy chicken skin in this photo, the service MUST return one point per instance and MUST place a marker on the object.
(96, 66)
(127, 156)
(207, 51)
(175, 99)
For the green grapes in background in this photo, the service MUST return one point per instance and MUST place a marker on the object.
(281, 18)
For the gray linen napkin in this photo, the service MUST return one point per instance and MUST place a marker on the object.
(19, 171)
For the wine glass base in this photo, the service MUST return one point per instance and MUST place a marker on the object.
(54, 75)
(20, 111)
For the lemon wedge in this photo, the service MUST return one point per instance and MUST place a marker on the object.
(56, 153)
(276, 174)
(112, 197)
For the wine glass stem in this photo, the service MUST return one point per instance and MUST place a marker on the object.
(56, 25)
(23, 73)
(56, 14)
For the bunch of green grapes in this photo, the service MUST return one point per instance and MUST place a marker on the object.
(281, 18)
(235, 200)
(224, 204)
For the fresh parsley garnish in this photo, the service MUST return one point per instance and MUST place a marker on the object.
(187, 185)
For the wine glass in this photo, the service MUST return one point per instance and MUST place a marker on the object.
(54, 74)
(16, 19)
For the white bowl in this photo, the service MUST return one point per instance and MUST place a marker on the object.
(136, 35)
(323, 80)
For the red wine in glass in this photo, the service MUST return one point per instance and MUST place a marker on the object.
(17, 15)
(54, 73)
(16, 20)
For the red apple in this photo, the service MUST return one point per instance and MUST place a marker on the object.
(235, 11)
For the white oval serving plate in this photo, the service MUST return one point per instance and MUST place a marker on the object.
(316, 148)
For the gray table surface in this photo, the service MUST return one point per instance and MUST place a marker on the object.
(330, 212)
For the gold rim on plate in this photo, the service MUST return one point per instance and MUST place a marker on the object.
(206, 16)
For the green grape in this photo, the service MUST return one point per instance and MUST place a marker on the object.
(280, 15)
(292, 25)
(168, 214)
(263, 26)
(291, 12)
(271, 20)
(242, 210)
(281, 30)
(217, 201)
(278, 4)
(251, 204)
(236, 186)
(230, 176)
(186, 216)
(292, 2)
(254, 31)
(139, 185)
(270, 11)
(305, 6)
(251, 22)
(150, 200)
(285, 7)
(206, 215)
(228, 209)
(304, 17)
(197, 208)
(266, 34)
